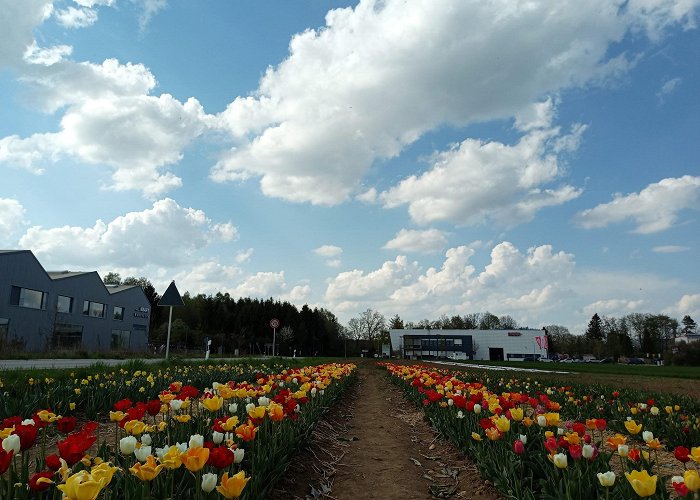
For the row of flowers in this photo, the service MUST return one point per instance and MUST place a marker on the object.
(230, 440)
(537, 440)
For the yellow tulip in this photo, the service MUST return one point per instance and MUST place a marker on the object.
(692, 480)
(171, 458)
(694, 454)
(493, 434)
(47, 416)
(552, 418)
(195, 458)
(476, 436)
(232, 487)
(633, 427)
(116, 416)
(502, 423)
(134, 427)
(258, 412)
(643, 484)
(82, 486)
(213, 404)
(147, 471)
(103, 472)
(183, 418)
(230, 424)
(516, 414)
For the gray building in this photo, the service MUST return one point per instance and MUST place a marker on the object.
(42, 310)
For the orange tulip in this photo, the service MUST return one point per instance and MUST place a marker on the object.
(147, 471)
(195, 458)
(232, 487)
(246, 431)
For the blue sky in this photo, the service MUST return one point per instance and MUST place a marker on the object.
(419, 157)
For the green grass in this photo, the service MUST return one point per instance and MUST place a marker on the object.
(689, 372)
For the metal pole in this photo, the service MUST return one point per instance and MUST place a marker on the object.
(167, 342)
(274, 336)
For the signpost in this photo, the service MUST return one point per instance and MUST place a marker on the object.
(274, 324)
(171, 298)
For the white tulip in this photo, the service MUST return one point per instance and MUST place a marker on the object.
(209, 481)
(623, 450)
(233, 408)
(263, 401)
(249, 407)
(654, 410)
(606, 479)
(313, 392)
(176, 404)
(450, 402)
(182, 447)
(142, 453)
(217, 437)
(127, 445)
(587, 451)
(541, 420)
(196, 441)
(238, 455)
(146, 439)
(677, 480)
(29, 421)
(477, 409)
(460, 414)
(647, 436)
(523, 438)
(11, 443)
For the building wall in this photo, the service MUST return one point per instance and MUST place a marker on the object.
(28, 326)
(515, 344)
(37, 328)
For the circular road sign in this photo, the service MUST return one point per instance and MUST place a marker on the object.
(274, 323)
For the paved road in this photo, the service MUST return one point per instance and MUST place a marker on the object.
(11, 364)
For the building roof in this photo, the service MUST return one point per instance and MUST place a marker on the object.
(57, 275)
(119, 288)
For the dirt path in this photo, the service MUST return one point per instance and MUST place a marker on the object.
(376, 445)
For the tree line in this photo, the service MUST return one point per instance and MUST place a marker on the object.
(241, 325)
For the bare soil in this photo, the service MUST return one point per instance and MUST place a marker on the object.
(376, 445)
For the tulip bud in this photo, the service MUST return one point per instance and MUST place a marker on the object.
(127, 445)
(313, 392)
(523, 438)
(587, 451)
(217, 437)
(623, 450)
(518, 447)
(209, 481)
(654, 410)
(477, 408)
(146, 439)
(450, 402)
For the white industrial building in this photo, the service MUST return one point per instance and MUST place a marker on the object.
(494, 345)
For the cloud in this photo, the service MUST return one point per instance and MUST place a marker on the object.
(655, 208)
(164, 235)
(668, 88)
(339, 101)
(11, 218)
(328, 251)
(670, 249)
(243, 255)
(264, 285)
(108, 119)
(416, 241)
(613, 307)
(149, 8)
(478, 183)
(208, 277)
(688, 304)
(76, 18)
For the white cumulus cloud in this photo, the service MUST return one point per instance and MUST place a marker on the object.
(670, 249)
(655, 208)
(339, 101)
(11, 218)
(417, 241)
(165, 234)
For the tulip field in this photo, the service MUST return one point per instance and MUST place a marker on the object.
(191, 432)
(536, 440)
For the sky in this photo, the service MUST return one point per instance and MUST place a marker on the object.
(536, 159)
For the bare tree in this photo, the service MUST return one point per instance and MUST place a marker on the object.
(371, 324)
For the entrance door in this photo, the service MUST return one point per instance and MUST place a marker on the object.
(496, 353)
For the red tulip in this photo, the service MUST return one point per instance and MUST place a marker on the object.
(66, 424)
(681, 454)
(53, 462)
(27, 435)
(34, 485)
(122, 405)
(153, 407)
(518, 447)
(220, 457)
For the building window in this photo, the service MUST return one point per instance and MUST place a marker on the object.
(118, 313)
(458, 341)
(67, 336)
(64, 304)
(93, 309)
(120, 339)
(26, 297)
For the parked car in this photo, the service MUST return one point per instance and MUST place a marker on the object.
(635, 361)
(607, 360)
(546, 360)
